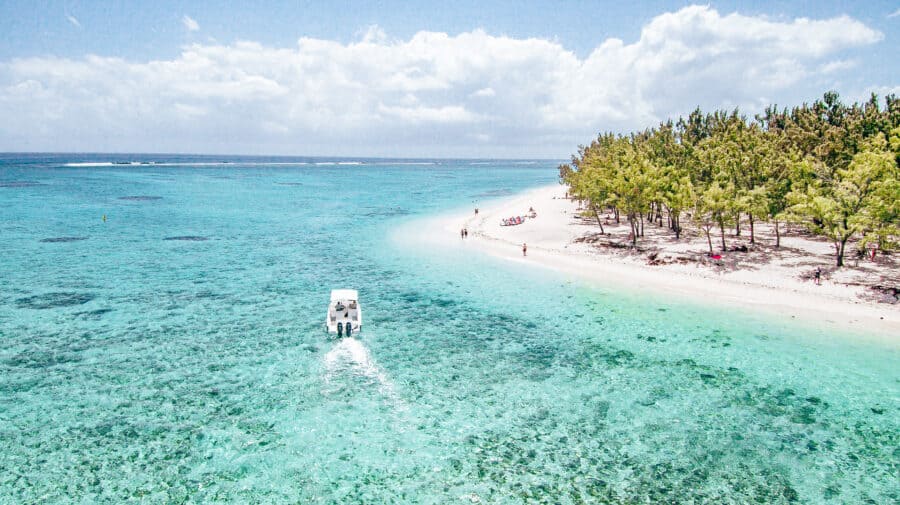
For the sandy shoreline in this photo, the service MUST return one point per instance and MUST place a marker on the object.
(777, 287)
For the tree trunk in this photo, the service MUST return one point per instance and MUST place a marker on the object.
(597, 215)
(708, 239)
(840, 251)
(737, 225)
(677, 227)
(616, 212)
(752, 238)
(633, 223)
(722, 228)
(777, 235)
(642, 224)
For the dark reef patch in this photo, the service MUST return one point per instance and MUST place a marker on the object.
(140, 198)
(41, 359)
(54, 300)
(494, 192)
(93, 314)
(53, 240)
(188, 238)
(19, 184)
(443, 302)
(410, 297)
(208, 295)
(387, 212)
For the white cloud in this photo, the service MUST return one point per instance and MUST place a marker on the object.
(432, 95)
(698, 56)
(447, 114)
(373, 34)
(189, 23)
(880, 91)
(894, 14)
(836, 66)
(72, 19)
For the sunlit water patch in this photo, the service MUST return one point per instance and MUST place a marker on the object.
(135, 368)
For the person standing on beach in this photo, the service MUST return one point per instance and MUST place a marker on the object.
(462, 233)
(818, 275)
(524, 249)
(465, 233)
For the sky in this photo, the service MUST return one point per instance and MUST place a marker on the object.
(515, 79)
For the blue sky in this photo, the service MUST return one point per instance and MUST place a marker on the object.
(391, 78)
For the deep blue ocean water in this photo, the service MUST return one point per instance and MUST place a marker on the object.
(174, 353)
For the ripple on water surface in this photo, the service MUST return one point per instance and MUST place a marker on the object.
(19, 184)
(140, 198)
(53, 240)
(188, 238)
(54, 300)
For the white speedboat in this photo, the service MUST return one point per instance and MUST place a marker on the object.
(344, 313)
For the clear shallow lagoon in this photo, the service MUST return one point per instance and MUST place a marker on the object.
(175, 353)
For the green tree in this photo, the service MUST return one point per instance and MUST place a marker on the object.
(755, 203)
(824, 164)
(860, 198)
(711, 209)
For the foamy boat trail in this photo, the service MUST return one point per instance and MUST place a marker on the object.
(351, 355)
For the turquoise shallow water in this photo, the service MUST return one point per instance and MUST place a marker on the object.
(175, 354)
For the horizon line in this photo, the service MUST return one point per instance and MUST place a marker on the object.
(123, 153)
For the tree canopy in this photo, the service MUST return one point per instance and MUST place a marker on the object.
(831, 167)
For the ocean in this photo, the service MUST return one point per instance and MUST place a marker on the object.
(161, 341)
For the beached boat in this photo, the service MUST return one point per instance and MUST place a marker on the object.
(512, 221)
(344, 313)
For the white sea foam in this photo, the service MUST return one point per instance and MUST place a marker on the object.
(351, 355)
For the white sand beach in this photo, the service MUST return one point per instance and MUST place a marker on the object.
(774, 280)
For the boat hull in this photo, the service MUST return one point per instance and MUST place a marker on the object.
(343, 310)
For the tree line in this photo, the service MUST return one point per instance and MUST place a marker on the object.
(832, 167)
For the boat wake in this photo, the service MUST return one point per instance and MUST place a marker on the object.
(350, 356)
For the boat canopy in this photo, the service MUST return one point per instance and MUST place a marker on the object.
(344, 294)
